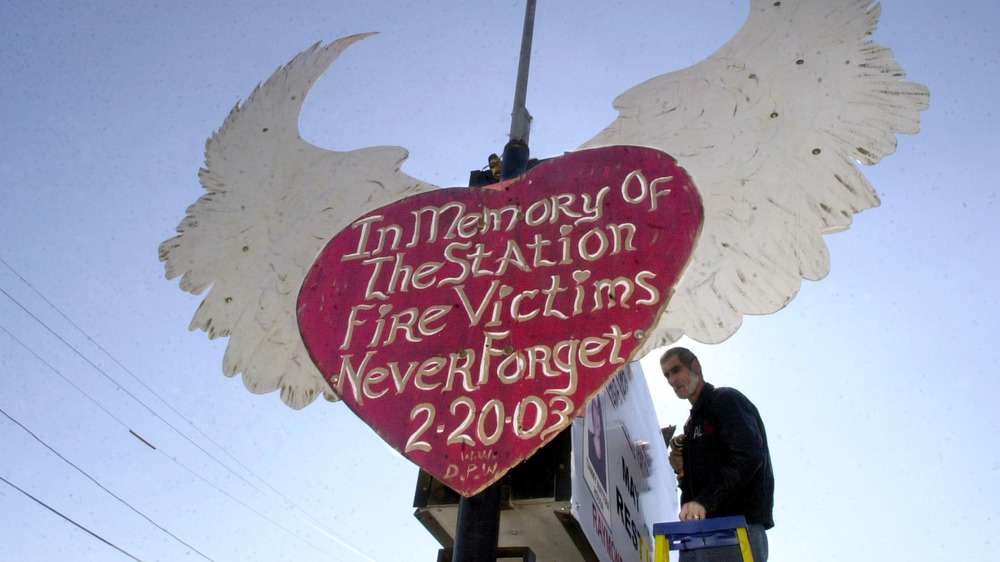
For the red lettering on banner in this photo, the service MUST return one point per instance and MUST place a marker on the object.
(604, 534)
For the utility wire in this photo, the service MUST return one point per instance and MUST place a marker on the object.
(110, 378)
(101, 486)
(172, 459)
(79, 526)
(309, 519)
(154, 393)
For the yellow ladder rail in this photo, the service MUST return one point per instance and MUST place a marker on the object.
(714, 532)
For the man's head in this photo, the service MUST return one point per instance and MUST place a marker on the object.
(683, 373)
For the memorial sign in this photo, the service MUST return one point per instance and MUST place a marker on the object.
(468, 327)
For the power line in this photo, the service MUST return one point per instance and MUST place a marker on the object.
(172, 459)
(138, 380)
(79, 526)
(101, 486)
(109, 377)
(262, 516)
(309, 518)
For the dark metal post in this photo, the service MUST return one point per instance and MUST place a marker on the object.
(520, 122)
(477, 533)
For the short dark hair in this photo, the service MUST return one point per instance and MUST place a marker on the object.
(686, 357)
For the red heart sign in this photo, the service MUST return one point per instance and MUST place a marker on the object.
(469, 326)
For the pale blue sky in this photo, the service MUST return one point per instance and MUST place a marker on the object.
(878, 384)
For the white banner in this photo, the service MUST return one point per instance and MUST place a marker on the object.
(622, 482)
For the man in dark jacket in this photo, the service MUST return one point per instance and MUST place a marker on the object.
(724, 467)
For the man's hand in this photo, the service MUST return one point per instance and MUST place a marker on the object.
(676, 461)
(692, 510)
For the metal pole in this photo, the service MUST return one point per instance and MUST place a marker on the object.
(477, 532)
(520, 123)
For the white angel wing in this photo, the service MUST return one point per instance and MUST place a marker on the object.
(273, 203)
(771, 128)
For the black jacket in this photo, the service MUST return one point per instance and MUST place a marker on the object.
(727, 466)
